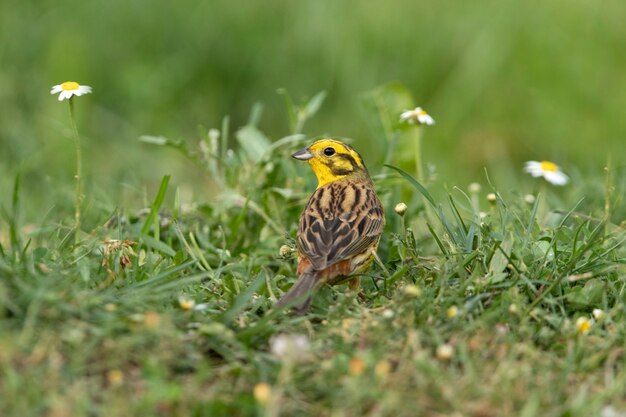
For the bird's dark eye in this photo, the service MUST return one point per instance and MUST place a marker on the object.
(330, 151)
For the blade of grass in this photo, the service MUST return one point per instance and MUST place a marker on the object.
(291, 109)
(163, 275)
(14, 223)
(419, 187)
(456, 213)
(242, 299)
(533, 215)
(224, 137)
(156, 244)
(439, 243)
(197, 256)
(156, 205)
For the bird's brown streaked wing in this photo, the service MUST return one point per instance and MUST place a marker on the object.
(368, 229)
(339, 223)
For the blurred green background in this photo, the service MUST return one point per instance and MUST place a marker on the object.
(507, 81)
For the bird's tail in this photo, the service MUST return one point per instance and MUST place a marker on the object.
(300, 295)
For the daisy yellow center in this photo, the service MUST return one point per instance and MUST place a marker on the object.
(549, 166)
(583, 325)
(69, 86)
(422, 113)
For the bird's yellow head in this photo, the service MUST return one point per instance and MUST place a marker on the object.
(331, 160)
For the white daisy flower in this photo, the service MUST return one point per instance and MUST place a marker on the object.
(445, 352)
(417, 115)
(583, 325)
(69, 89)
(548, 170)
(598, 314)
(186, 303)
(290, 347)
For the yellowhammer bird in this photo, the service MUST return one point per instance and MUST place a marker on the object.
(341, 225)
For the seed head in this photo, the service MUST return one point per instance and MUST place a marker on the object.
(400, 209)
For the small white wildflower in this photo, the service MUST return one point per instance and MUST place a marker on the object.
(214, 134)
(289, 346)
(492, 198)
(186, 303)
(598, 314)
(445, 352)
(474, 187)
(388, 313)
(583, 325)
(285, 251)
(412, 290)
(548, 170)
(610, 411)
(69, 89)
(417, 115)
(201, 307)
(400, 209)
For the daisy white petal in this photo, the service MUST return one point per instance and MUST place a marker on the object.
(56, 89)
(407, 116)
(201, 307)
(425, 119)
(556, 178)
(83, 89)
(533, 168)
(417, 115)
(64, 95)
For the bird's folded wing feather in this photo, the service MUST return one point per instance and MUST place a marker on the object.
(329, 233)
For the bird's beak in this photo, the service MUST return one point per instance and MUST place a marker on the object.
(303, 154)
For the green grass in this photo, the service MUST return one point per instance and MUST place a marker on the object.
(98, 328)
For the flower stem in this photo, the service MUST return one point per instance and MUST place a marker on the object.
(417, 143)
(79, 170)
(419, 169)
(402, 251)
(541, 193)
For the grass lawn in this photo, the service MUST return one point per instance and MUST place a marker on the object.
(511, 304)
